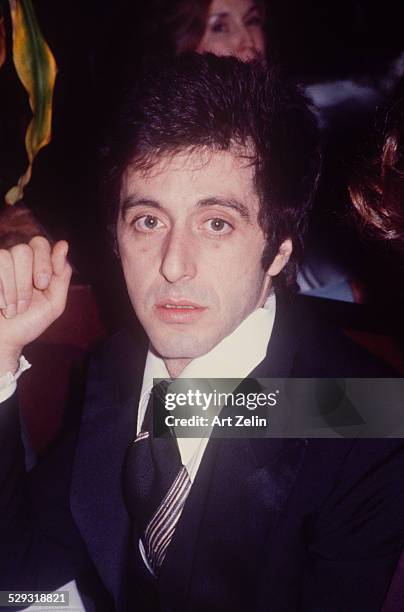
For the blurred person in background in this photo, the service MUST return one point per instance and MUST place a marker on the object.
(222, 27)
(377, 193)
(377, 189)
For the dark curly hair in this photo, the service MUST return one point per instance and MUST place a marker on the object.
(203, 101)
(377, 188)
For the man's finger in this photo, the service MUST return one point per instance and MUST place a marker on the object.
(9, 290)
(22, 256)
(62, 271)
(42, 267)
(59, 257)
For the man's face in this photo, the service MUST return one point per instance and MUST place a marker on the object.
(191, 249)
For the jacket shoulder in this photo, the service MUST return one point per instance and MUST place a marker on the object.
(324, 349)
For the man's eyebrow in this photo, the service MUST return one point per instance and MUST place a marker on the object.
(132, 201)
(227, 203)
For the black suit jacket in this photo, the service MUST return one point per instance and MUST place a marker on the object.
(269, 525)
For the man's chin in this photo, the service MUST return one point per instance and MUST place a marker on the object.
(182, 348)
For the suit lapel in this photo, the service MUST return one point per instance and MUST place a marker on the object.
(108, 426)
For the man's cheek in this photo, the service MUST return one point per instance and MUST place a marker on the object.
(138, 294)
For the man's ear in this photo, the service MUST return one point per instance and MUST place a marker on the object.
(280, 261)
(281, 258)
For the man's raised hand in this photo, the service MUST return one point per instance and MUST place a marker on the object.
(34, 279)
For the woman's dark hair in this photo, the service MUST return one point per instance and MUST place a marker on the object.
(184, 23)
(377, 189)
(218, 103)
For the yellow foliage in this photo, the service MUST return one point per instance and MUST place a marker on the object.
(36, 68)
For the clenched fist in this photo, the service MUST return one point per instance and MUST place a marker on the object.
(34, 279)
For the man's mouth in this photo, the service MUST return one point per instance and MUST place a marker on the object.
(179, 311)
(178, 306)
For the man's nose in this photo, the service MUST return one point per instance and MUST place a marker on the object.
(178, 258)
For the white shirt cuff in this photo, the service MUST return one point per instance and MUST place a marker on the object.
(8, 382)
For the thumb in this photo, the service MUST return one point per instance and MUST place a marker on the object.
(60, 279)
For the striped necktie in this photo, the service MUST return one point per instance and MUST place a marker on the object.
(156, 484)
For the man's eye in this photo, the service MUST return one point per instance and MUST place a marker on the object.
(147, 223)
(219, 226)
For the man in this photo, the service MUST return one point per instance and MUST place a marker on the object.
(212, 167)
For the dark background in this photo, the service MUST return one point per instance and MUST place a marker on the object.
(94, 42)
